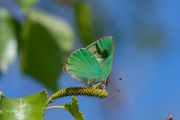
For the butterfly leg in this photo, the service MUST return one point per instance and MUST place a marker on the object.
(96, 85)
(99, 86)
(103, 87)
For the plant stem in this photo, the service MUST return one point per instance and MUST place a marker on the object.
(52, 107)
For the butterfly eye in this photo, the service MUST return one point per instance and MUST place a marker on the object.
(107, 82)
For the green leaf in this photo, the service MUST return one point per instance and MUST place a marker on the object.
(26, 5)
(73, 109)
(28, 108)
(17, 27)
(47, 42)
(8, 43)
(84, 22)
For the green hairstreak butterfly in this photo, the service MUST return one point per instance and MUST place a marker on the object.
(92, 65)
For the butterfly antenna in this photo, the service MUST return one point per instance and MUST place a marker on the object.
(116, 79)
(115, 87)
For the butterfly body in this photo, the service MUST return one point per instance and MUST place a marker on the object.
(92, 65)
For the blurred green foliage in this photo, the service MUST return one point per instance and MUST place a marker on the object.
(26, 5)
(46, 44)
(8, 39)
(84, 22)
(42, 41)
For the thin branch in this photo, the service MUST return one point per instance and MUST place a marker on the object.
(52, 107)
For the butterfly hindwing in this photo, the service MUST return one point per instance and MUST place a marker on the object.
(83, 66)
(103, 50)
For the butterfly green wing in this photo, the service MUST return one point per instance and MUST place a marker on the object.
(83, 66)
(103, 51)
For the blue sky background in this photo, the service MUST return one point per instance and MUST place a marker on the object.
(147, 57)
